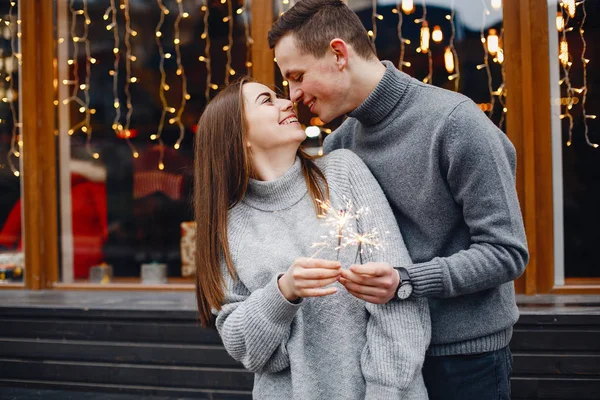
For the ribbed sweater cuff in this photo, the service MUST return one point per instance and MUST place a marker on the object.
(493, 342)
(276, 306)
(379, 392)
(426, 279)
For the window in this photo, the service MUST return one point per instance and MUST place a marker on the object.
(575, 34)
(11, 239)
(133, 78)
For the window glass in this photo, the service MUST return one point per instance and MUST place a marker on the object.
(11, 242)
(133, 78)
(578, 38)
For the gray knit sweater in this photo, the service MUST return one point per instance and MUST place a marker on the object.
(326, 348)
(449, 175)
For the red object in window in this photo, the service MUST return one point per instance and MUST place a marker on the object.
(127, 133)
(88, 198)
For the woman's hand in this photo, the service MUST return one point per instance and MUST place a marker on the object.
(306, 277)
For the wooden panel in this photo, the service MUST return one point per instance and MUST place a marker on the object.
(529, 127)
(541, 105)
(514, 102)
(127, 374)
(131, 353)
(39, 158)
(262, 57)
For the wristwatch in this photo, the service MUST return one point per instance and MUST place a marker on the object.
(405, 287)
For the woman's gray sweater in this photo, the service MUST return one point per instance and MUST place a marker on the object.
(333, 347)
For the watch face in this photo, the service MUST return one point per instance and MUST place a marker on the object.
(404, 291)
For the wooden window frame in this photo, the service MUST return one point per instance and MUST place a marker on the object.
(528, 127)
(526, 41)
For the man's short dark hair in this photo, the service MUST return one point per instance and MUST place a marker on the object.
(314, 23)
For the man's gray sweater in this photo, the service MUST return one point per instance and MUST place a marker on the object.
(449, 175)
(321, 348)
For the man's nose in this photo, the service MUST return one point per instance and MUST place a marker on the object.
(296, 93)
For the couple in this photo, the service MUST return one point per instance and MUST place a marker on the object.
(431, 315)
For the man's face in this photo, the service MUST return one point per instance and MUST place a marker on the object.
(319, 83)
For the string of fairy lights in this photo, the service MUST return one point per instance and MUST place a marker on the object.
(164, 87)
(129, 79)
(206, 57)
(228, 47)
(181, 73)
(79, 82)
(9, 97)
(425, 36)
(566, 14)
(248, 37)
(451, 62)
(84, 104)
(491, 43)
(487, 43)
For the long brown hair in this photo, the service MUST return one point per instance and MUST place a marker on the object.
(222, 169)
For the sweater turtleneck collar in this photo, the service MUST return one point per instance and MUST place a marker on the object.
(278, 194)
(384, 98)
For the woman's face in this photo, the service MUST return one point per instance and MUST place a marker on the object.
(272, 122)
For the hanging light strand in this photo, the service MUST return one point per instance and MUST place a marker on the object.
(206, 58)
(584, 89)
(455, 70)
(374, 17)
(403, 41)
(87, 127)
(129, 79)
(249, 40)
(14, 150)
(84, 105)
(229, 20)
(425, 31)
(163, 83)
(114, 27)
(501, 92)
(564, 58)
(486, 64)
(180, 72)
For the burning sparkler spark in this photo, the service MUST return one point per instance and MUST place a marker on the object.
(343, 233)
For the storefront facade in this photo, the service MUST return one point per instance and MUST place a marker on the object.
(101, 99)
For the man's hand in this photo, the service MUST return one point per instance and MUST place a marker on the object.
(306, 277)
(372, 282)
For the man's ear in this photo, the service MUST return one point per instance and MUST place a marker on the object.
(340, 49)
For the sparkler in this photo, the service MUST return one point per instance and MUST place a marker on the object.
(343, 233)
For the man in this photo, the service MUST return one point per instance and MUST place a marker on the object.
(449, 175)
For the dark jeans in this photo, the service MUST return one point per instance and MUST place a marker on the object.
(483, 376)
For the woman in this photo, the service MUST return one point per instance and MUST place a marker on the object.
(257, 201)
